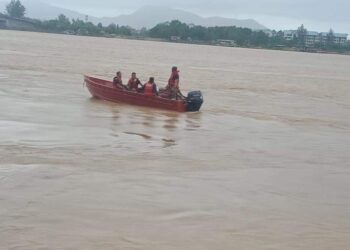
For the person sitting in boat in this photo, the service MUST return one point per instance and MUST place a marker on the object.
(134, 83)
(150, 88)
(118, 81)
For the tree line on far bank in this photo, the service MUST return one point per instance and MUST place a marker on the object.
(79, 27)
(175, 29)
(185, 32)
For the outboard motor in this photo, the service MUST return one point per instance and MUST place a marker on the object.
(194, 101)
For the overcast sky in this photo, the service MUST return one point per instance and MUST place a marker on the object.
(317, 15)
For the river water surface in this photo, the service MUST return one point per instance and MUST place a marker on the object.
(264, 165)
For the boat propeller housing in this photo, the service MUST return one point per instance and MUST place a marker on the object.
(194, 101)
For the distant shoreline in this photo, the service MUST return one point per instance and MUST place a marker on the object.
(139, 38)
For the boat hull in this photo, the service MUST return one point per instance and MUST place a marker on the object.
(107, 91)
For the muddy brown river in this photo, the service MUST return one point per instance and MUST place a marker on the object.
(264, 165)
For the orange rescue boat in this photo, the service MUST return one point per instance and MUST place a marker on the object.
(105, 90)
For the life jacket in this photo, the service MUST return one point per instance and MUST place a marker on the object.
(171, 81)
(133, 83)
(148, 89)
(117, 82)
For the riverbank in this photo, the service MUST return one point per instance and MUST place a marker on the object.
(143, 38)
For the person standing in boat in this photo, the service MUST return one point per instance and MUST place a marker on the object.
(134, 83)
(173, 83)
(118, 81)
(150, 88)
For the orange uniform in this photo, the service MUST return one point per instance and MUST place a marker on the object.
(149, 89)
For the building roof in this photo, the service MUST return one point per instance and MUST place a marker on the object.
(315, 33)
(343, 35)
(339, 35)
(312, 33)
(289, 32)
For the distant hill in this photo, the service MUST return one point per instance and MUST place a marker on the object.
(148, 16)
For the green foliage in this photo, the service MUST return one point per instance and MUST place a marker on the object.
(242, 36)
(15, 9)
(143, 32)
(259, 38)
(62, 24)
(301, 33)
(330, 38)
(112, 29)
(277, 39)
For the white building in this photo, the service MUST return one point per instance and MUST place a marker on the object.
(338, 38)
(289, 35)
(313, 37)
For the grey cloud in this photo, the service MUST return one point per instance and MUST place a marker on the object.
(307, 9)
